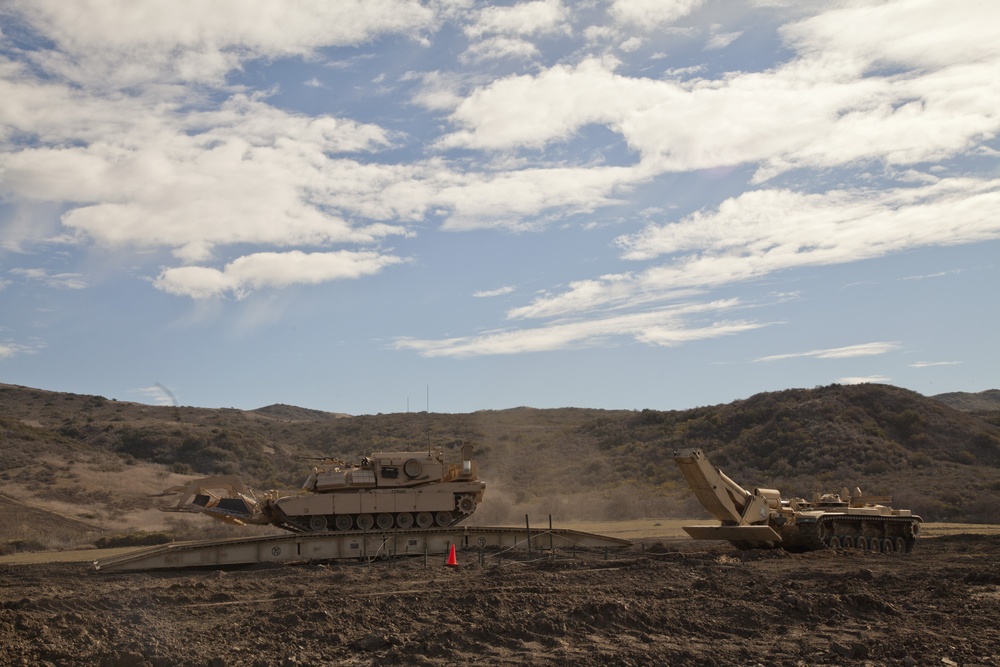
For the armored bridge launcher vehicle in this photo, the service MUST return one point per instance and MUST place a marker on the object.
(762, 519)
(386, 491)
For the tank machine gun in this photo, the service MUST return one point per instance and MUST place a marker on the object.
(386, 490)
(762, 519)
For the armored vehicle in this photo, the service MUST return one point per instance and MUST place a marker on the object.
(763, 519)
(386, 491)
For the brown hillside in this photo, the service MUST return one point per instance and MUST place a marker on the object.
(96, 459)
(983, 401)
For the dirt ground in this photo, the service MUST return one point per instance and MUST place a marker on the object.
(680, 603)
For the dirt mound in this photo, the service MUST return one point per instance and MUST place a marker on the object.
(681, 604)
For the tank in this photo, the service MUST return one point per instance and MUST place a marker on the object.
(385, 491)
(763, 519)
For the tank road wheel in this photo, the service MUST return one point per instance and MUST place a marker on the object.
(384, 521)
(835, 542)
(404, 520)
(900, 545)
(887, 546)
(862, 544)
(343, 522)
(848, 542)
(425, 520)
(365, 521)
(317, 523)
(875, 545)
(443, 519)
(466, 504)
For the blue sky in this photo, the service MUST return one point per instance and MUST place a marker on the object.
(381, 205)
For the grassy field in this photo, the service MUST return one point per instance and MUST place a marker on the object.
(640, 530)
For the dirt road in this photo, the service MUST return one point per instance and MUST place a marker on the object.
(675, 604)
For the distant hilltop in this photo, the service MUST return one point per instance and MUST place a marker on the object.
(983, 401)
(295, 413)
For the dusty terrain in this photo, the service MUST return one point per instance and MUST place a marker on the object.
(678, 603)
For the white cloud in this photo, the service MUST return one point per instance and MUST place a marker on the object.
(582, 296)
(271, 270)
(830, 105)
(8, 350)
(139, 174)
(663, 327)
(500, 291)
(929, 364)
(245, 173)
(288, 176)
(11, 350)
(159, 394)
(498, 48)
(633, 43)
(831, 227)
(531, 111)
(870, 379)
(57, 280)
(112, 137)
(722, 40)
(440, 90)
(939, 274)
(861, 350)
(105, 43)
(511, 199)
(136, 167)
(652, 14)
(761, 232)
(904, 33)
(524, 18)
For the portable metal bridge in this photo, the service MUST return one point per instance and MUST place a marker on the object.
(356, 544)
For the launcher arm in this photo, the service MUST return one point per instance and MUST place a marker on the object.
(726, 500)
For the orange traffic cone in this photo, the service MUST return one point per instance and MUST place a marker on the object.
(452, 561)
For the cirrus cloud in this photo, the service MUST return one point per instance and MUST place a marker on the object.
(850, 351)
(663, 327)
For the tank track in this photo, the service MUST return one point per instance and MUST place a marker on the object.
(886, 534)
(369, 522)
(843, 531)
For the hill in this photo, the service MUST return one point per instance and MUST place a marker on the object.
(983, 401)
(96, 460)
